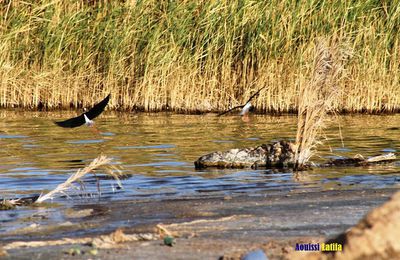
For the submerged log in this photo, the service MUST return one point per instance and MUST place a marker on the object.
(359, 160)
(277, 155)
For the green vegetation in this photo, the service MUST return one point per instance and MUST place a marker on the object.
(193, 55)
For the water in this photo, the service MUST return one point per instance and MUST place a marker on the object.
(156, 154)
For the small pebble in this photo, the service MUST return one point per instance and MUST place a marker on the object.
(169, 241)
(93, 251)
(255, 255)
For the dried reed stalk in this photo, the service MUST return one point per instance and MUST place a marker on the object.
(100, 161)
(317, 98)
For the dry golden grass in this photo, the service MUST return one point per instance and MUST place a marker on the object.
(318, 96)
(101, 162)
(190, 56)
(62, 189)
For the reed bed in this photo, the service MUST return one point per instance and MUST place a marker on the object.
(192, 56)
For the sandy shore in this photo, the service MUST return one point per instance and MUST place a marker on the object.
(209, 228)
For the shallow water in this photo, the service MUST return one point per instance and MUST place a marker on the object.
(156, 154)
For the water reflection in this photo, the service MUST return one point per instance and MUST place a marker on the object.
(157, 152)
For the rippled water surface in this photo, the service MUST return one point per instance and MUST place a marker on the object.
(156, 154)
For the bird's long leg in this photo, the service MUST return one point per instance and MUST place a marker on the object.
(246, 118)
(95, 130)
(98, 135)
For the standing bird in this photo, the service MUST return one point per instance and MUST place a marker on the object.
(86, 118)
(246, 107)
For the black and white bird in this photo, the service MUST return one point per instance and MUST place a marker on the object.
(245, 108)
(87, 117)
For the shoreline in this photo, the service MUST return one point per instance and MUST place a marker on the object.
(227, 226)
(198, 112)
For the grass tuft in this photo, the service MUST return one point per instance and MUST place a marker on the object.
(318, 96)
(101, 161)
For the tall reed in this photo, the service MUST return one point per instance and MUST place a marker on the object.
(191, 55)
(317, 97)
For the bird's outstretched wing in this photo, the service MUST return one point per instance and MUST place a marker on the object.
(226, 112)
(254, 95)
(98, 108)
(92, 113)
(72, 122)
(242, 106)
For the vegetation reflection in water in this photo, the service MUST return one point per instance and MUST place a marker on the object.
(157, 152)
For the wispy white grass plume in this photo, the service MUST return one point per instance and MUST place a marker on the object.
(101, 161)
(318, 97)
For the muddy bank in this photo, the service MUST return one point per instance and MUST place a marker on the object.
(210, 227)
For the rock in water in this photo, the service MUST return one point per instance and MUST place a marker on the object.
(279, 154)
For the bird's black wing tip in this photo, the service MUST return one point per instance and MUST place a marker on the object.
(72, 122)
(108, 97)
(61, 124)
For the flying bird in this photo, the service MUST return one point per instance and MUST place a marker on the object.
(87, 117)
(246, 107)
